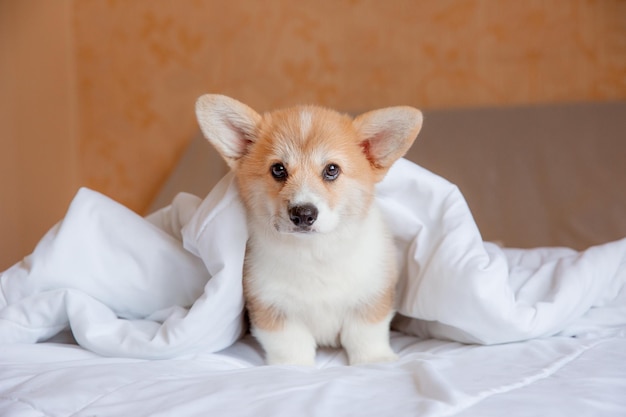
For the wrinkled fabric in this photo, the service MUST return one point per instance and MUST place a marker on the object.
(170, 284)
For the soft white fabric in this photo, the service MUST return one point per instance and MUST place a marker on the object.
(134, 287)
(556, 377)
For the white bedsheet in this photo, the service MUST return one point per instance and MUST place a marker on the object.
(557, 376)
(170, 287)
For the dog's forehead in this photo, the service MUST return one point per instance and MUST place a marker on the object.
(308, 131)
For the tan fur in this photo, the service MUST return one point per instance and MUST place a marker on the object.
(322, 280)
(263, 316)
(378, 310)
(279, 137)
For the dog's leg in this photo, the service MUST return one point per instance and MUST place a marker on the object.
(293, 344)
(367, 342)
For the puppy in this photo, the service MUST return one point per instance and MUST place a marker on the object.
(320, 267)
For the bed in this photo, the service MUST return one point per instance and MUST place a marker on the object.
(118, 315)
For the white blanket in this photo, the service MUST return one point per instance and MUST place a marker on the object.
(170, 284)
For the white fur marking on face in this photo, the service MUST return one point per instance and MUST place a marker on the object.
(306, 121)
(304, 195)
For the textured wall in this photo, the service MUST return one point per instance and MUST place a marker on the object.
(38, 158)
(141, 64)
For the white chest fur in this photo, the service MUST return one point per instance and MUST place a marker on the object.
(321, 281)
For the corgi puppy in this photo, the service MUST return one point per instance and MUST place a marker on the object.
(320, 267)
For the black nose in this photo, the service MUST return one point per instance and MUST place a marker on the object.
(304, 215)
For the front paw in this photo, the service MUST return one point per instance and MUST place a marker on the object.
(367, 342)
(293, 344)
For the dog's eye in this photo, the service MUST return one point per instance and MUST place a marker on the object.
(331, 172)
(279, 172)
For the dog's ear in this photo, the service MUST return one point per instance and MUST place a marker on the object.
(387, 134)
(229, 125)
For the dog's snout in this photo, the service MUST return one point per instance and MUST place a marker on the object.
(303, 215)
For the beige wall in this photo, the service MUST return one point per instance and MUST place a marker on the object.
(100, 92)
(38, 157)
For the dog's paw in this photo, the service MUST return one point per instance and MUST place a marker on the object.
(293, 344)
(381, 354)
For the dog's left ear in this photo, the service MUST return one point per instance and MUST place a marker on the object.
(387, 134)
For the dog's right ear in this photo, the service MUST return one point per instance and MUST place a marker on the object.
(228, 124)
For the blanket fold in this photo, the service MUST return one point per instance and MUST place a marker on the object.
(170, 284)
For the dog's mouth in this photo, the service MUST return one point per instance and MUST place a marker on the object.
(291, 229)
(303, 230)
(295, 230)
